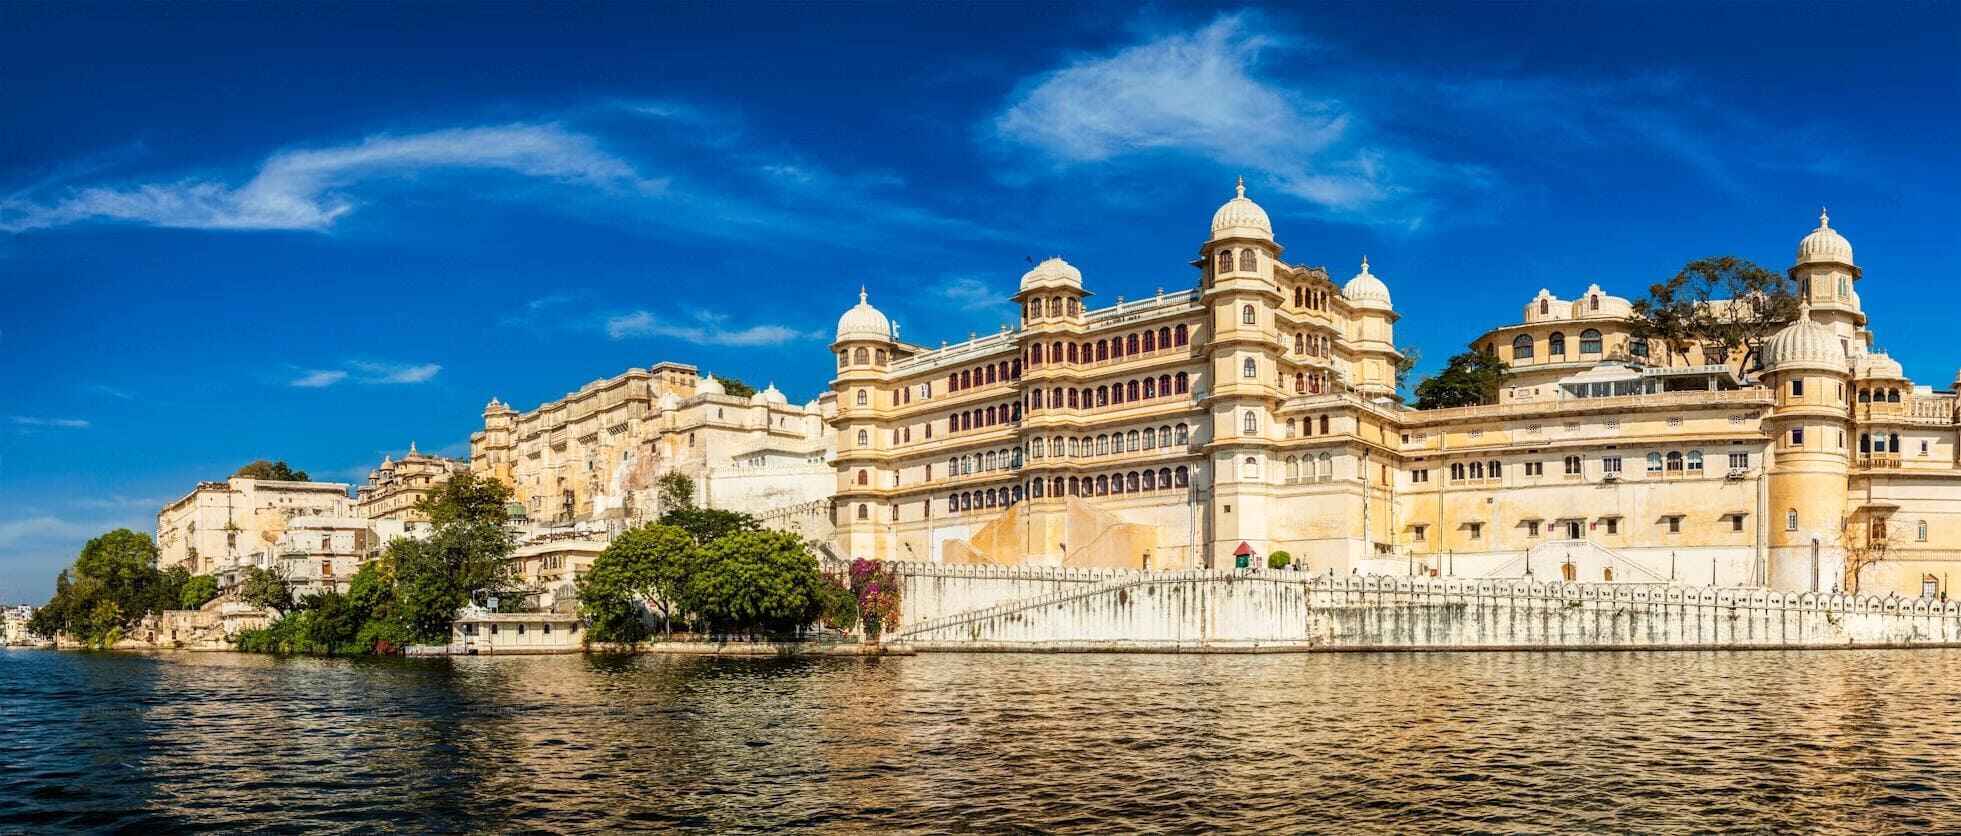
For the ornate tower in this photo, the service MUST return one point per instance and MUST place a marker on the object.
(864, 348)
(1825, 275)
(1809, 457)
(1372, 333)
(1241, 296)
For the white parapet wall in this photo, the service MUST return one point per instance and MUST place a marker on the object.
(1262, 610)
(935, 590)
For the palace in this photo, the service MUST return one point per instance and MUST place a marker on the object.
(394, 487)
(1257, 412)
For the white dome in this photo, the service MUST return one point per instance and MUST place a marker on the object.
(1365, 290)
(710, 386)
(811, 406)
(1824, 245)
(1241, 218)
(1881, 367)
(668, 402)
(1803, 342)
(864, 322)
(1052, 273)
(770, 396)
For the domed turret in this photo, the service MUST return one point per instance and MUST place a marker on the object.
(710, 386)
(1365, 290)
(864, 322)
(1824, 245)
(1052, 273)
(1241, 218)
(1804, 342)
(769, 396)
(1880, 367)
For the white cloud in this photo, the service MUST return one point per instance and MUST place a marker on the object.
(51, 423)
(111, 391)
(393, 373)
(319, 378)
(707, 329)
(307, 189)
(119, 502)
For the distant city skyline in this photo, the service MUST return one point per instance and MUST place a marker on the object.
(230, 233)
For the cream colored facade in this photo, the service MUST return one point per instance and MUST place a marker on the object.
(394, 487)
(1256, 412)
(217, 523)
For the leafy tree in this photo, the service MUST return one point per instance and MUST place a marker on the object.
(677, 492)
(467, 498)
(1279, 559)
(197, 592)
(706, 525)
(651, 563)
(332, 622)
(756, 580)
(736, 387)
(840, 607)
(264, 469)
(436, 576)
(1405, 364)
(1467, 379)
(1726, 305)
(113, 583)
(169, 591)
(265, 588)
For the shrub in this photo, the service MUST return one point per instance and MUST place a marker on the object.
(1279, 560)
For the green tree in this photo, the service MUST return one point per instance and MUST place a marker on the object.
(652, 563)
(706, 525)
(332, 622)
(734, 386)
(274, 470)
(1279, 559)
(265, 588)
(1411, 355)
(113, 583)
(677, 492)
(756, 580)
(469, 499)
(1467, 379)
(1726, 305)
(197, 592)
(435, 577)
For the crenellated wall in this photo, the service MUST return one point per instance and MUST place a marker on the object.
(1222, 610)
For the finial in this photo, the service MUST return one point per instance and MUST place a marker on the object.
(1241, 187)
(861, 295)
(1365, 264)
(411, 448)
(1824, 218)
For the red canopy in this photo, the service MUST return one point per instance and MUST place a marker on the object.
(1243, 550)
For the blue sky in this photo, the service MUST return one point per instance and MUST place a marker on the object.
(318, 233)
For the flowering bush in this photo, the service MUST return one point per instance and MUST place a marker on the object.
(876, 586)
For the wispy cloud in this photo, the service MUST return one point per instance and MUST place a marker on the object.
(50, 423)
(537, 309)
(319, 378)
(119, 502)
(310, 189)
(110, 391)
(395, 373)
(705, 328)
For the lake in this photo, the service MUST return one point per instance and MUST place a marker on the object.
(1390, 743)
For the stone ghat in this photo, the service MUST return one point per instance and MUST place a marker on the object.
(1257, 611)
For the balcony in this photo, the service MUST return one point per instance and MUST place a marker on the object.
(1619, 403)
(1879, 461)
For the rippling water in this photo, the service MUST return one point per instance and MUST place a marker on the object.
(1497, 742)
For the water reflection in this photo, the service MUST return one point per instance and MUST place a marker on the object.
(1350, 742)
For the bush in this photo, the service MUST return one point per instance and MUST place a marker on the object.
(1279, 560)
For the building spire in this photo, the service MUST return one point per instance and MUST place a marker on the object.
(1365, 264)
(1241, 186)
(861, 295)
(1824, 218)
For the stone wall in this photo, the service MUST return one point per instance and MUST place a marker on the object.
(1223, 610)
(933, 590)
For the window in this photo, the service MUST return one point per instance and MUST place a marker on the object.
(1246, 316)
(1610, 464)
(1797, 436)
(1920, 532)
(1457, 472)
(1590, 340)
(1531, 528)
(1225, 261)
(1556, 344)
(864, 511)
(863, 398)
(1739, 461)
(1674, 460)
(864, 438)
(1736, 522)
(1420, 475)
(1654, 462)
(1791, 520)
(1535, 468)
(1522, 347)
(1477, 530)
(1250, 424)
(1638, 346)
(1613, 525)
(1249, 369)
(1674, 525)
(1572, 465)
(1248, 261)
(1417, 532)
(1695, 461)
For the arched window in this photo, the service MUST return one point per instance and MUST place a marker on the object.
(1246, 315)
(1290, 428)
(1225, 261)
(1298, 298)
(1164, 336)
(1300, 383)
(1327, 466)
(1545, 307)
(1116, 483)
(1102, 485)
(1130, 390)
(1674, 460)
(1249, 369)
(1865, 396)
(1150, 341)
(1103, 445)
(1324, 425)
(1593, 303)
(1183, 434)
(1250, 424)
(864, 398)
(1590, 341)
(864, 477)
(1522, 347)
(1248, 261)
(1184, 476)
(1892, 396)
(1893, 442)
(1150, 438)
(1556, 344)
(1164, 385)
(1920, 532)
(1865, 443)
(1150, 387)
(1654, 462)
(1102, 396)
(1293, 469)
(861, 356)
(1055, 307)
(1300, 343)
(1178, 336)
(1131, 440)
(864, 511)
(1102, 350)
(1164, 477)
(864, 438)
(1695, 461)
(1130, 344)
(1791, 520)
(1250, 469)
(1035, 488)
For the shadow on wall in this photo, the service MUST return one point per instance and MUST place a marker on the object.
(1073, 534)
